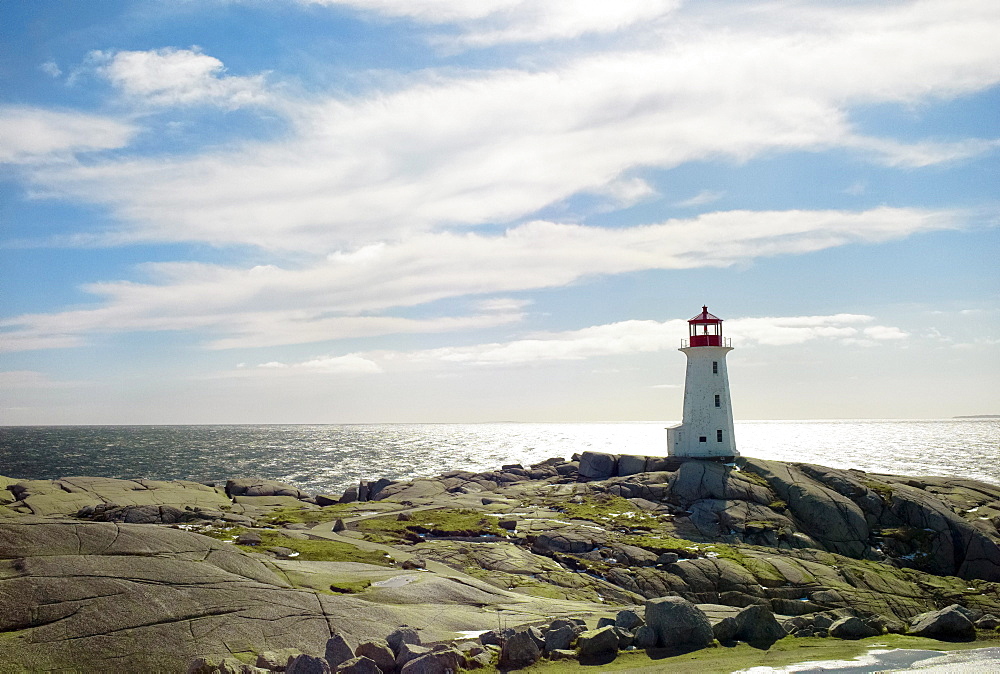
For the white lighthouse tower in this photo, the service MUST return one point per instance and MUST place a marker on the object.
(706, 431)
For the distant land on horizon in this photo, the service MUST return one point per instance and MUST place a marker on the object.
(979, 416)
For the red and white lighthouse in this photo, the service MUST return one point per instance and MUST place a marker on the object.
(706, 430)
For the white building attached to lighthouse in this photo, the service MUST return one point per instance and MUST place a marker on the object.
(706, 431)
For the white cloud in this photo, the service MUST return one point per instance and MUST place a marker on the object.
(700, 199)
(50, 68)
(784, 331)
(627, 338)
(337, 297)
(171, 76)
(496, 146)
(490, 22)
(31, 135)
(885, 332)
(349, 364)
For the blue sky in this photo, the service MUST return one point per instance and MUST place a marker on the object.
(435, 210)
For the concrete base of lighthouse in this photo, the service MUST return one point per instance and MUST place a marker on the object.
(679, 449)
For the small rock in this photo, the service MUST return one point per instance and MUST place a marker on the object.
(283, 552)
(339, 525)
(404, 517)
(605, 622)
(645, 637)
(988, 622)
(359, 665)
(667, 558)
(628, 620)
(414, 563)
(248, 538)
(562, 654)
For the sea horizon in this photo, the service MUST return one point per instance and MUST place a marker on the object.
(330, 457)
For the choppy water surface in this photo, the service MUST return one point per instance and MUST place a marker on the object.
(328, 458)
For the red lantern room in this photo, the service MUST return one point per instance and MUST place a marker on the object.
(705, 329)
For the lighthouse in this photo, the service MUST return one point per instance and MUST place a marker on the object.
(706, 431)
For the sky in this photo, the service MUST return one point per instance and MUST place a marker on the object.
(366, 211)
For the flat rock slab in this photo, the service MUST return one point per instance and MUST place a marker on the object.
(49, 498)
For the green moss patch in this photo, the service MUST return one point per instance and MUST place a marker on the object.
(307, 514)
(661, 544)
(310, 550)
(439, 522)
(608, 510)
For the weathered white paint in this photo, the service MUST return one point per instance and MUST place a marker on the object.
(702, 419)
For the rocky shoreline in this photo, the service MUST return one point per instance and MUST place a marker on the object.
(569, 558)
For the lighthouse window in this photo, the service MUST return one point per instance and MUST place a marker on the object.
(718, 435)
(715, 367)
(718, 401)
(702, 438)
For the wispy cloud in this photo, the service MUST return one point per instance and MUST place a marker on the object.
(487, 147)
(700, 199)
(341, 295)
(490, 22)
(171, 76)
(33, 135)
(622, 339)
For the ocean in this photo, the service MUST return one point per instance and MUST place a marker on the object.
(328, 458)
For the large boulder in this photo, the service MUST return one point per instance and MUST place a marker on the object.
(560, 638)
(408, 651)
(379, 653)
(598, 465)
(520, 650)
(852, 627)
(446, 661)
(261, 487)
(338, 649)
(947, 624)
(400, 636)
(599, 644)
(630, 464)
(307, 664)
(757, 626)
(678, 624)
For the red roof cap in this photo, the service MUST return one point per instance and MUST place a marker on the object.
(705, 317)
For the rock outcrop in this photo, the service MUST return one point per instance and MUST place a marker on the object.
(100, 571)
